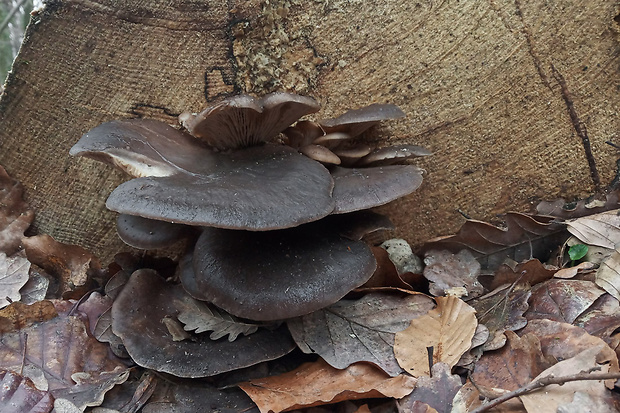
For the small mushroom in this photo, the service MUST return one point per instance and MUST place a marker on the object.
(277, 274)
(303, 133)
(392, 155)
(137, 315)
(148, 234)
(332, 140)
(243, 120)
(355, 122)
(349, 156)
(320, 154)
(363, 188)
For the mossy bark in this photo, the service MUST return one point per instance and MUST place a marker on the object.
(487, 86)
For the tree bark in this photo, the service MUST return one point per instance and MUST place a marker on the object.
(516, 99)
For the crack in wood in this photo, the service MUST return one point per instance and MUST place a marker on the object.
(529, 38)
(579, 127)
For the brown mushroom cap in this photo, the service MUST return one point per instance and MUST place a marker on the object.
(148, 234)
(392, 154)
(142, 147)
(320, 154)
(303, 133)
(355, 122)
(258, 188)
(243, 120)
(137, 315)
(363, 188)
(277, 274)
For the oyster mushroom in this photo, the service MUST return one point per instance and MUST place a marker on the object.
(277, 274)
(355, 122)
(148, 234)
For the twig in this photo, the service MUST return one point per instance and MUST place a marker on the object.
(543, 382)
(21, 370)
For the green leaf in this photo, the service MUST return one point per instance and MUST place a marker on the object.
(577, 251)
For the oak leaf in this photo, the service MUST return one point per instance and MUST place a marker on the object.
(13, 276)
(318, 383)
(362, 330)
(449, 329)
(15, 217)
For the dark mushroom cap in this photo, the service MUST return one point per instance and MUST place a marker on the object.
(148, 234)
(142, 147)
(303, 133)
(243, 120)
(278, 274)
(258, 188)
(363, 188)
(355, 122)
(137, 315)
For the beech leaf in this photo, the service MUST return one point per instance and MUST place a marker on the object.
(449, 329)
(13, 276)
(608, 274)
(602, 230)
(15, 217)
(362, 330)
(562, 300)
(524, 237)
(18, 394)
(200, 317)
(318, 383)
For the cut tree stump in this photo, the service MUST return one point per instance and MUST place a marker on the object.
(503, 93)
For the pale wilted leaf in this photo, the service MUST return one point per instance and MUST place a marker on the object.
(98, 308)
(608, 274)
(554, 395)
(523, 238)
(602, 229)
(53, 350)
(13, 276)
(512, 366)
(318, 383)
(449, 329)
(584, 402)
(446, 270)
(362, 330)
(437, 391)
(501, 310)
(200, 317)
(562, 300)
(91, 387)
(18, 394)
(36, 288)
(15, 217)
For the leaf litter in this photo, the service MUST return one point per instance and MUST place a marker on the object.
(77, 336)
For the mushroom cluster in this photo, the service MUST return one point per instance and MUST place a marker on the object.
(280, 208)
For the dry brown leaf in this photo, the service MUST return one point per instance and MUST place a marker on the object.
(18, 394)
(446, 270)
(386, 274)
(602, 230)
(562, 300)
(512, 366)
(449, 329)
(551, 397)
(571, 272)
(608, 274)
(602, 318)
(501, 310)
(15, 217)
(73, 266)
(523, 238)
(318, 383)
(529, 272)
(436, 391)
(13, 276)
(362, 330)
(98, 309)
(18, 315)
(584, 402)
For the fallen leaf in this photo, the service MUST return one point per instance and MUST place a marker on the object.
(562, 341)
(200, 317)
(15, 217)
(36, 287)
(602, 230)
(72, 266)
(50, 352)
(446, 270)
(571, 272)
(18, 394)
(436, 391)
(449, 329)
(91, 388)
(562, 300)
(136, 318)
(386, 274)
(584, 402)
(523, 238)
(318, 383)
(19, 315)
(99, 311)
(501, 310)
(551, 397)
(13, 276)
(512, 366)
(472, 355)
(608, 274)
(602, 318)
(530, 272)
(363, 330)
